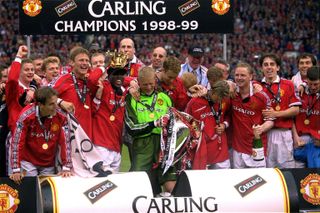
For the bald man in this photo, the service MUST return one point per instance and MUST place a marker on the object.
(158, 56)
(134, 64)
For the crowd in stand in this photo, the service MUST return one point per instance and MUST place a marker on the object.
(131, 91)
(260, 26)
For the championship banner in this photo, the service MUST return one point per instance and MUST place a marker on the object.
(55, 17)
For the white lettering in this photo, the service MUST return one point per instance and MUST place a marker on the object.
(121, 8)
(95, 26)
(244, 111)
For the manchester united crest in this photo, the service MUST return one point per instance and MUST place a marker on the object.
(220, 7)
(160, 102)
(310, 189)
(54, 127)
(32, 7)
(9, 198)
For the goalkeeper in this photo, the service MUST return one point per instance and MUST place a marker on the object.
(143, 120)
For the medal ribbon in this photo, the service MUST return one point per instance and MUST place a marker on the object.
(116, 103)
(311, 105)
(151, 108)
(217, 115)
(45, 131)
(81, 95)
(277, 96)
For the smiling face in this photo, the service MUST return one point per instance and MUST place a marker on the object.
(158, 57)
(242, 77)
(52, 71)
(195, 61)
(26, 73)
(97, 60)
(270, 69)
(81, 65)
(303, 65)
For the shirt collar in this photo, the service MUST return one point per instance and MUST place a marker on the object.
(275, 81)
(251, 89)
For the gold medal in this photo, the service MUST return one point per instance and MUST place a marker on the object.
(45, 146)
(306, 121)
(151, 115)
(112, 118)
(278, 107)
(86, 106)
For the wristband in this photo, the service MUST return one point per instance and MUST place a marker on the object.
(59, 102)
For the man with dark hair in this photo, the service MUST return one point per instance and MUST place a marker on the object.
(40, 132)
(225, 67)
(37, 63)
(306, 131)
(108, 114)
(284, 106)
(304, 62)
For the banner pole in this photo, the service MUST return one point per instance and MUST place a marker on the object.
(225, 46)
(29, 45)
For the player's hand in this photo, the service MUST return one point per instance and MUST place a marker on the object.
(257, 88)
(198, 91)
(300, 90)
(163, 121)
(22, 51)
(135, 93)
(257, 130)
(100, 89)
(269, 113)
(298, 142)
(16, 177)
(65, 173)
(37, 78)
(29, 97)
(67, 106)
(220, 128)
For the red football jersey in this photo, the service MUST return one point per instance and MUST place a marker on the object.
(309, 124)
(177, 93)
(216, 146)
(245, 114)
(67, 91)
(108, 119)
(288, 99)
(14, 90)
(28, 141)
